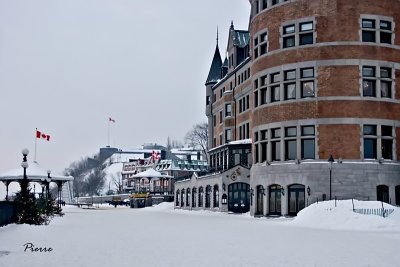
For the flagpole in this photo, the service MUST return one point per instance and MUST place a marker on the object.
(34, 159)
(108, 133)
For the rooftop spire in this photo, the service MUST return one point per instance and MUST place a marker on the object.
(215, 70)
(217, 35)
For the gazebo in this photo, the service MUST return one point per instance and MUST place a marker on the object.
(140, 178)
(35, 173)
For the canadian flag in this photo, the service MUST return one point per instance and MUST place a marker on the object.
(41, 135)
(112, 120)
(155, 155)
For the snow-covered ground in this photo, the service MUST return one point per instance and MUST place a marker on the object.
(161, 236)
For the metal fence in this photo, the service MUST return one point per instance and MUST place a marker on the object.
(380, 212)
(366, 211)
(7, 213)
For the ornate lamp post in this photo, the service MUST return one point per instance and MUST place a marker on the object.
(24, 182)
(330, 160)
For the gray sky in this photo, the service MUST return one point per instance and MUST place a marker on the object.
(67, 66)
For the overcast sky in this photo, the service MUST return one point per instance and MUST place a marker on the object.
(67, 66)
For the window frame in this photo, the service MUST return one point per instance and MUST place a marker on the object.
(292, 34)
(376, 31)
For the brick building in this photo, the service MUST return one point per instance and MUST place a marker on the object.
(314, 85)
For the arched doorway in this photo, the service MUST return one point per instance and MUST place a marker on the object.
(208, 196)
(187, 197)
(194, 195)
(183, 198)
(216, 196)
(201, 196)
(177, 198)
(275, 196)
(239, 197)
(382, 193)
(296, 198)
(260, 200)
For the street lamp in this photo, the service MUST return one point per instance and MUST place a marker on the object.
(25, 165)
(48, 180)
(330, 160)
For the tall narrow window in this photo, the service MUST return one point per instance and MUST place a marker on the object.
(386, 82)
(264, 96)
(369, 81)
(228, 135)
(264, 4)
(276, 144)
(387, 142)
(290, 143)
(290, 84)
(256, 99)
(306, 35)
(263, 44)
(307, 82)
(228, 110)
(275, 86)
(289, 36)
(385, 31)
(307, 142)
(370, 140)
(368, 32)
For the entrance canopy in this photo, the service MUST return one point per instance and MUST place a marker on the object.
(35, 173)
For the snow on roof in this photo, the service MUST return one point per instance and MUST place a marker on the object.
(125, 157)
(239, 142)
(34, 172)
(150, 173)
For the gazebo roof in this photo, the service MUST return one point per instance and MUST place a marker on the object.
(151, 173)
(35, 173)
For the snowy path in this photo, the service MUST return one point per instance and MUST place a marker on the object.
(162, 237)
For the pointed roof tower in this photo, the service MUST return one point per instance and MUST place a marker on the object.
(215, 70)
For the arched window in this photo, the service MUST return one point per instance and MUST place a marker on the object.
(216, 196)
(296, 198)
(183, 198)
(260, 200)
(194, 197)
(177, 198)
(275, 194)
(188, 197)
(208, 196)
(201, 196)
(382, 193)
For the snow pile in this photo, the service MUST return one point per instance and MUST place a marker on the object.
(324, 215)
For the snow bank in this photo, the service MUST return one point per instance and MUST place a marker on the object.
(324, 215)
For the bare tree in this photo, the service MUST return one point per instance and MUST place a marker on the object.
(117, 181)
(95, 181)
(198, 137)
